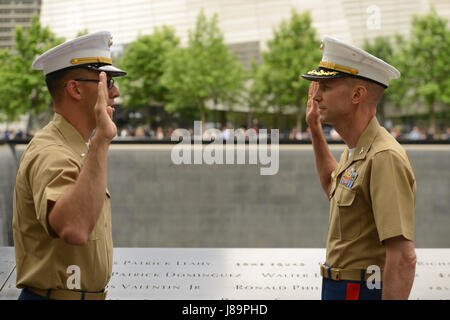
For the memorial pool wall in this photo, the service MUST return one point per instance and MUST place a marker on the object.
(156, 203)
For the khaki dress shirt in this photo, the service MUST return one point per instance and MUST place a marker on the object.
(50, 164)
(372, 199)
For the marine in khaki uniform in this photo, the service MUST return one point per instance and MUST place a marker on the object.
(372, 189)
(62, 212)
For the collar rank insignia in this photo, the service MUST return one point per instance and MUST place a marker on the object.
(349, 177)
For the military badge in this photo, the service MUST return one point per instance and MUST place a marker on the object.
(322, 73)
(349, 177)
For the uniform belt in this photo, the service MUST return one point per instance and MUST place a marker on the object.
(61, 294)
(345, 274)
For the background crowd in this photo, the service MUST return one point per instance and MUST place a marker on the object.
(165, 134)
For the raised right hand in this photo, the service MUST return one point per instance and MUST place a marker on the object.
(312, 107)
(105, 127)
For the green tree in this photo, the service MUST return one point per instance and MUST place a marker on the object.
(204, 71)
(424, 63)
(255, 92)
(23, 89)
(382, 48)
(293, 50)
(82, 32)
(7, 111)
(144, 62)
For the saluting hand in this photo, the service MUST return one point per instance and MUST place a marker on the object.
(312, 107)
(105, 127)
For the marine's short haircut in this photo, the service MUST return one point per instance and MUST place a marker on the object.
(375, 91)
(55, 80)
(54, 83)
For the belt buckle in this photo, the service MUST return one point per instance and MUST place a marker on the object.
(338, 275)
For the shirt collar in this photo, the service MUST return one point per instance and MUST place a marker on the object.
(71, 136)
(366, 139)
(362, 147)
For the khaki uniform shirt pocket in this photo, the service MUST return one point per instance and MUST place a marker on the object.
(346, 224)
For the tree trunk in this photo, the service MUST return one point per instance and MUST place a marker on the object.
(214, 116)
(299, 119)
(234, 121)
(30, 121)
(148, 118)
(276, 119)
(276, 116)
(223, 118)
(279, 118)
(299, 125)
(202, 115)
(249, 119)
(432, 125)
(167, 119)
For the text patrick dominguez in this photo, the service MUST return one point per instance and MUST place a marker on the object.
(213, 153)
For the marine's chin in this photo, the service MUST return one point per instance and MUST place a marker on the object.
(324, 120)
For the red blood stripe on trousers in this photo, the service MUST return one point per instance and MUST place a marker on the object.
(352, 291)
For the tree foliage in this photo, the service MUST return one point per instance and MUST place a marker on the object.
(424, 63)
(293, 50)
(382, 47)
(22, 89)
(144, 61)
(204, 71)
(254, 95)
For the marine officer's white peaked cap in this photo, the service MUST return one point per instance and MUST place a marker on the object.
(91, 51)
(343, 60)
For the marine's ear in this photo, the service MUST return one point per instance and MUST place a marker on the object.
(72, 89)
(359, 93)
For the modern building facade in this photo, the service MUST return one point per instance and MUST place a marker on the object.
(13, 13)
(246, 24)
